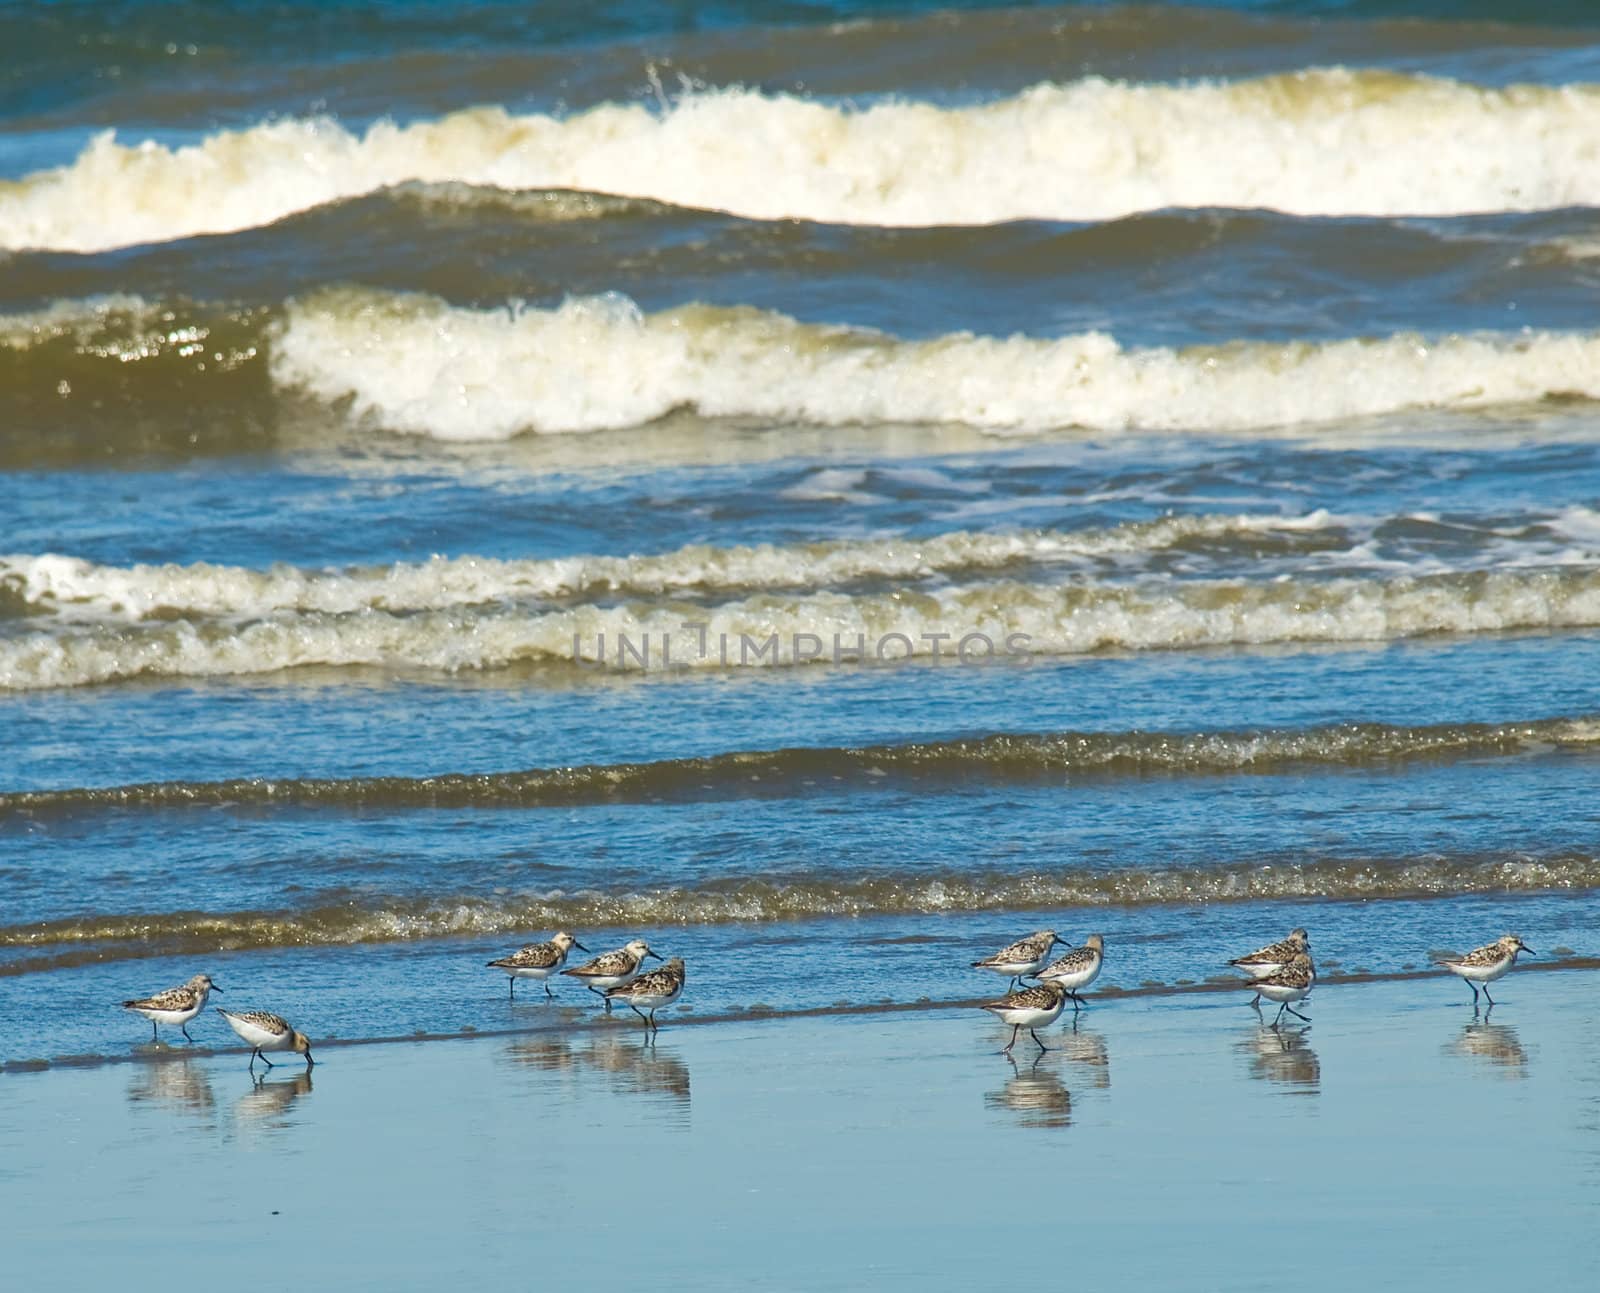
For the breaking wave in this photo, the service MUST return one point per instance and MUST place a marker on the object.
(1322, 141)
(975, 622)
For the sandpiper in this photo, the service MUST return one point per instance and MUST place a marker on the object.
(1024, 957)
(1292, 983)
(651, 991)
(613, 969)
(1486, 964)
(1078, 968)
(1272, 958)
(264, 1031)
(537, 961)
(1029, 1008)
(174, 1006)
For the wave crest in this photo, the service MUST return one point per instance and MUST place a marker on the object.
(1323, 141)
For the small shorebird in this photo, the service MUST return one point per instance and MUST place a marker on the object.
(1078, 968)
(537, 961)
(1029, 1008)
(613, 969)
(651, 991)
(174, 1006)
(1486, 964)
(1024, 957)
(264, 1031)
(1292, 983)
(1273, 957)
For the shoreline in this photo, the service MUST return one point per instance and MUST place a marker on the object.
(614, 1025)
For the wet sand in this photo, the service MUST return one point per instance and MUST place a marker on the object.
(1398, 1141)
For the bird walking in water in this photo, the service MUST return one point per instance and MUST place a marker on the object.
(174, 1006)
(1484, 965)
(1290, 984)
(613, 969)
(1273, 957)
(1077, 969)
(1029, 1008)
(537, 961)
(1023, 958)
(263, 1031)
(651, 992)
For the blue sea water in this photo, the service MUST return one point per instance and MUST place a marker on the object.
(389, 360)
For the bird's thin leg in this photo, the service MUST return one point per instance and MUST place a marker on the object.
(266, 1061)
(253, 1055)
(1295, 1012)
(1036, 1040)
(1281, 1008)
(1015, 1029)
(155, 1034)
(654, 1027)
(547, 991)
(512, 980)
(184, 1029)
(640, 1013)
(1487, 997)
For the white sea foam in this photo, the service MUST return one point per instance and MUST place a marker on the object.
(72, 589)
(1323, 141)
(417, 364)
(778, 630)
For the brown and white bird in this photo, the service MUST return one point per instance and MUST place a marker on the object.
(613, 969)
(537, 961)
(1078, 968)
(1273, 957)
(174, 1006)
(651, 991)
(1486, 964)
(1024, 957)
(263, 1031)
(1029, 1008)
(1290, 984)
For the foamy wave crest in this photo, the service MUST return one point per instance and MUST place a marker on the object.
(970, 622)
(419, 365)
(1008, 757)
(72, 589)
(1323, 141)
(381, 920)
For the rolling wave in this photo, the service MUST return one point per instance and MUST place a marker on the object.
(55, 944)
(1020, 757)
(1320, 141)
(69, 589)
(1004, 621)
(415, 364)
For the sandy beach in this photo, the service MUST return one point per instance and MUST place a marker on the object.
(1169, 1141)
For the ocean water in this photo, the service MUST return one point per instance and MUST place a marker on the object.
(828, 488)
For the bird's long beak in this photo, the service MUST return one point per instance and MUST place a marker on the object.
(215, 988)
(657, 955)
(1523, 947)
(579, 946)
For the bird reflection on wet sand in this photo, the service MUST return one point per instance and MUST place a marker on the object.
(625, 1063)
(268, 1100)
(1496, 1044)
(1085, 1047)
(1034, 1093)
(1284, 1055)
(639, 1067)
(179, 1084)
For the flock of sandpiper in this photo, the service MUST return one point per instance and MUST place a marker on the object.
(1282, 972)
